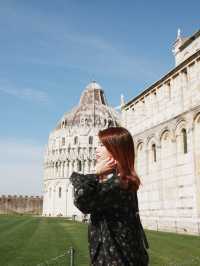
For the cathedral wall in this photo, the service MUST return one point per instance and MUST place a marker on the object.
(20, 205)
(170, 194)
(166, 134)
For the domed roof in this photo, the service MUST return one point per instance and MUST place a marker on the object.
(93, 94)
(92, 111)
(93, 85)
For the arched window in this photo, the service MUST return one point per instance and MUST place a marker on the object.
(110, 123)
(184, 140)
(56, 168)
(76, 140)
(69, 149)
(63, 141)
(86, 122)
(73, 163)
(79, 166)
(90, 140)
(60, 192)
(153, 147)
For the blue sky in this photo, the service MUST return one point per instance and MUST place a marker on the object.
(50, 51)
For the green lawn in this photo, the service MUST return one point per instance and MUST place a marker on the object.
(28, 241)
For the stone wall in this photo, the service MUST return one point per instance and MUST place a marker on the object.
(21, 204)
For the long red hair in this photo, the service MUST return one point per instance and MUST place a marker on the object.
(119, 142)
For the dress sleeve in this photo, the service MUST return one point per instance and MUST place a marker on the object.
(90, 195)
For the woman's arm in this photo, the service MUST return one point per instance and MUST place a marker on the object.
(90, 195)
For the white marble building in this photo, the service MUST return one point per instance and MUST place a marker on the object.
(71, 147)
(164, 120)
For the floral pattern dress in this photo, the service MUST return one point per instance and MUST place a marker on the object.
(115, 233)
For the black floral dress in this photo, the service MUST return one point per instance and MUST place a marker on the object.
(115, 233)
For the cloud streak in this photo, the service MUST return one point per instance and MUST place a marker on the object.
(27, 94)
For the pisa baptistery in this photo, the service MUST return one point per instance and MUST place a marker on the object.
(71, 147)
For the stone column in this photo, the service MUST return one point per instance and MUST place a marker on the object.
(48, 170)
(86, 166)
(194, 152)
(55, 170)
(52, 170)
(59, 169)
(70, 167)
(146, 151)
(174, 160)
(67, 169)
(196, 134)
(63, 169)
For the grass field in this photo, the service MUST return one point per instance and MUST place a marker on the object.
(28, 241)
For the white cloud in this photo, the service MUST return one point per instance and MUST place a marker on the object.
(21, 167)
(27, 94)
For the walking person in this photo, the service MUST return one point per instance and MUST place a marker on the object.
(115, 233)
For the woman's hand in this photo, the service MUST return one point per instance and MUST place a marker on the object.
(105, 166)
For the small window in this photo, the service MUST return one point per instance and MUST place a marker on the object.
(184, 140)
(110, 123)
(79, 166)
(76, 140)
(185, 74)
(154, 152)
(63, 141)
(60, 192)
(90, 140)
(169, 90)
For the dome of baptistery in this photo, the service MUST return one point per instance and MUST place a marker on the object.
(92, 111)
(71, 147)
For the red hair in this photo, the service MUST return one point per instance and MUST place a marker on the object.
(119, 142)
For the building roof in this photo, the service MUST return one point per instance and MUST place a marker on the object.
(189, 40)
(92, 110)
(164, 79)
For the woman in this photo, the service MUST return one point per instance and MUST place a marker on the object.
(115, 234)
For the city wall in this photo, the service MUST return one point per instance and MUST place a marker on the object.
(13, 204)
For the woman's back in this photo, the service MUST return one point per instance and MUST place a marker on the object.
(114, 233)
